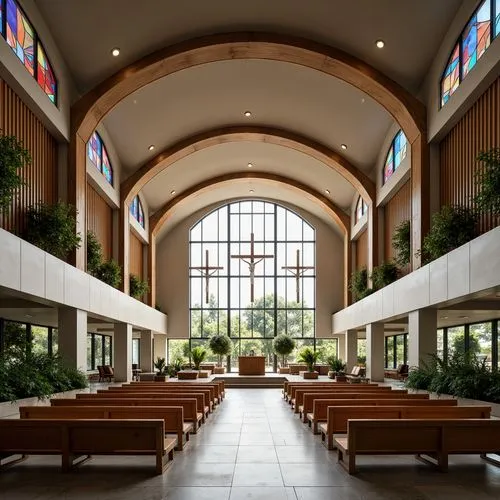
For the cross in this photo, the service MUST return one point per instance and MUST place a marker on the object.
(252, 259)
(207, 271)
(298, 271)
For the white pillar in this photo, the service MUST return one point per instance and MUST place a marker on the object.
(122, 355)
(351, 350)
(72, 337)
(422, 335)
(375, 351)
(341, 347)
(146, 343)
(160, 346)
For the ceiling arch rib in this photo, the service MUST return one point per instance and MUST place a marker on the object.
(361, 182)
(93, 106)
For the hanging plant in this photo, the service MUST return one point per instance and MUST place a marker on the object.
(401, 242)
(13, 157)
(138, 287)
(488, 182)
(53, 228)
(94, 254)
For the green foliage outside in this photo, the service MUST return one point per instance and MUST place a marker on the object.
(138, 287)
(13, 157)
(487, 179)
(283, 346)
(53, 228)
(110, 272)
(462, 375)
(401, 242)
(309, 357)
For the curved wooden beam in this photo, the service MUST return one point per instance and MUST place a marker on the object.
(158, 219)
(93, 106)
(361, 182)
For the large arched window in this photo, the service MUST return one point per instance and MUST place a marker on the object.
(395, 155)
(471, 45)
(98, 155)
(361, 209)
(24, 41)
(137, 211)
(252, 300)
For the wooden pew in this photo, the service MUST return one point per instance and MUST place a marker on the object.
(339, 415)
(218, 386)
(320, 406)
(76, 438)
(173, 416)
(437, 438)
(287, 386)
(168, 400)
(332, 388)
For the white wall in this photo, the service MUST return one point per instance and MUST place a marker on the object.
(173, 271)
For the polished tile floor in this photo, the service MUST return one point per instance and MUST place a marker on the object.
(252, 447)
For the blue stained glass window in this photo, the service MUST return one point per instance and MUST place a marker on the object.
(137, 211)
(395, 155)
(98, 155)
(476, 37)
(361, 208)
(497, 22)
(1, 17)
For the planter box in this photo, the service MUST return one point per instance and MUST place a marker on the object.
(160, 378)
(204, 373)
(187, 375)
(284, 370)
(309, 375)
(219, 370)
(340, 378)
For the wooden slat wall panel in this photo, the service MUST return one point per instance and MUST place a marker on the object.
(136, 256)
(362, 250)
(396, 211)
(478, 130)
(41, 175)
(99, 218)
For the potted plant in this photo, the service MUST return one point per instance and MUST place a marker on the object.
(220, 345)
(309, 357)
(283, 345)
(138, 287)
(384, 275)
(198, 355)
(487, 179)
(337, 367)
(401, 242)
(161, 370)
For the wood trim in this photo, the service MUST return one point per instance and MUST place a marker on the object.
(99, 220)
(136, 262)
(361, 182)
(362, 251)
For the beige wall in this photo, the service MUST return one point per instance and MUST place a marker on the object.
(173, 263)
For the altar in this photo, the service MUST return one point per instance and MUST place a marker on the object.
(252, 365)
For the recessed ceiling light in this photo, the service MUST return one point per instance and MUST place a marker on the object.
(444, 317)
(380, 44)
(327, 191)
(251, 190)
(250, 165)
(115, 52)
(173, 191)
(362, 100)
(151, 147)
(464, 317)
(343, 146)
(248, 114)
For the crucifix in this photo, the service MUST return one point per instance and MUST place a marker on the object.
(298, 271)
(207, 271)
(252, 259)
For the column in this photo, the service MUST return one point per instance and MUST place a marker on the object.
(341, 347)
(72, 337)
(122, 355)
(146, 343)
(351, 350)
(375, 351)
(422, 335)
(160, 346)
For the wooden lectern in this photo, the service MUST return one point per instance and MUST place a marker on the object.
(252, 365)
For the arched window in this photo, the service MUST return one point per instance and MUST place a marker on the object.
(395, 155)
(24, 41)
(361, 209)
(137, 211)
(98, 155)
(471, 45)
(252, 299)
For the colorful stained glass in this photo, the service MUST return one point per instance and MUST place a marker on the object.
(451, 78)
(389, 164)
(476, 37)
(94, 150)
(107, 170)
(20, 35)
(141, 214)
(1, 17)
(399, 149)
(45, 75)
(137, 211)
(497, 21)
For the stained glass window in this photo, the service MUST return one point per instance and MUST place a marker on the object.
(395, 155)
(137, 211)
(96, 151)
(497, 22)
(361, 208)
(1, 17)
(476, 37)
(20, 35)
(451, 79)
(45, 75)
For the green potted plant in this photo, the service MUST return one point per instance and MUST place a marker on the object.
(358, 284)
(138, 287)
(309, 357)
(283, 345)
(198, 355)
(220, 345)
(384, 275)
(401, 242)
(161, 370)
(94, 254)
(53, 228)
(13, 157)
(487, 179)
(110, 272)
(337, 369)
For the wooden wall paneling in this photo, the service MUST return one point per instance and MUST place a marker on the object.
(41, 175)
(478, 130)
(362, 250)
(136, 255)
(99, 220)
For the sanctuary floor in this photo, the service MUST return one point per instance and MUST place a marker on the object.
(252, 447)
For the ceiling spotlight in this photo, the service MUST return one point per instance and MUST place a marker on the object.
(380, 44)
(151, 147)
(115, 52)
(251, 191)
(343, 146)
(173, 191)
(444, 317)
(327, 191)
(464, 317)
(250, 165)
(248, 114)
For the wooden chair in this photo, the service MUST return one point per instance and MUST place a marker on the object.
(105, 372)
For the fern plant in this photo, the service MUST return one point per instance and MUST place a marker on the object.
(309, 357)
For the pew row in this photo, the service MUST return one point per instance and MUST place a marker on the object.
(433, 438)
(77, 440)
(218, 386)
(291, 386)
